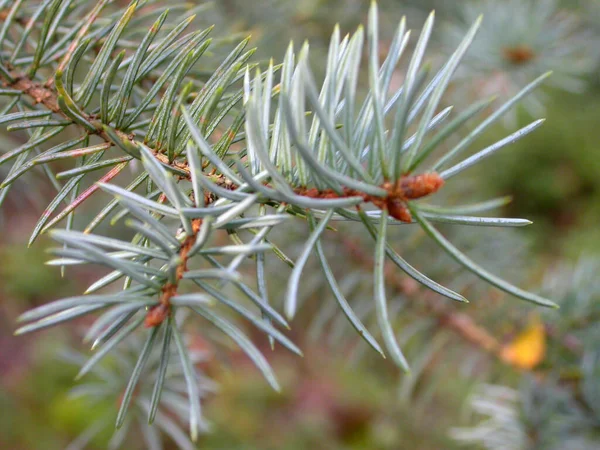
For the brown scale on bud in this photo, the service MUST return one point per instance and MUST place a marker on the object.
(398, 209)
(417, 186)
(410, 187)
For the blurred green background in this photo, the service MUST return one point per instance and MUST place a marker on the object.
(338, 396)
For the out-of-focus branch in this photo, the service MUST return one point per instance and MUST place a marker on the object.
(460, 323)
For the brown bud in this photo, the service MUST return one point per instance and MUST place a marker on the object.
(398, 210)
(417, 186)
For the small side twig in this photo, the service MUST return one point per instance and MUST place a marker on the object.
(157, 314)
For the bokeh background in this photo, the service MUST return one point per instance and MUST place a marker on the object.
(340, 396)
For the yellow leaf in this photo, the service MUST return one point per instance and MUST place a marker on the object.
(528, 348)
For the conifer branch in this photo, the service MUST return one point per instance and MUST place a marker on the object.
(287, 147)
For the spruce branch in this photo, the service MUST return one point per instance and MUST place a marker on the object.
(408, 187)
(230, 156)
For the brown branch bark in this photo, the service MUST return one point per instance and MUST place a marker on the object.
(157, 314)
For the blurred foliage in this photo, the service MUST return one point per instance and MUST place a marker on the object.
(557, 406)
(563, 198)
(23, 277)
(326, 404)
